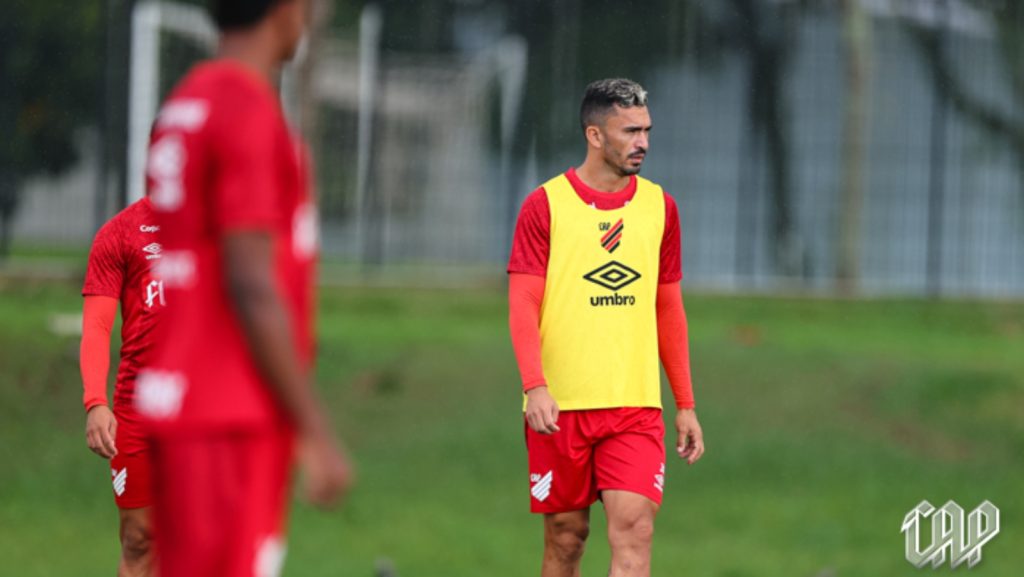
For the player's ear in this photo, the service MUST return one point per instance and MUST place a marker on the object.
(595, 137)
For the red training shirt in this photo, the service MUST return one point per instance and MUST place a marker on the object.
(222, 158)
(531, 244)
(120, 263)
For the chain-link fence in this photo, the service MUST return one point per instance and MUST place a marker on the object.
(871, 146)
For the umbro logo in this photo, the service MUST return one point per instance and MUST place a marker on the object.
(541, 488)
(120, 480)
(613, 276)
(153, 250)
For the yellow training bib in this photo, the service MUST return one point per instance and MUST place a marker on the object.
(599, 333)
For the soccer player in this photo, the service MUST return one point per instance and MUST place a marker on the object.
(229, 392)
(119, 271)
(594, 299)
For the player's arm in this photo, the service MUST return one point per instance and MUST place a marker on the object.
(98, 314)
(673, 348)
(525, 296)
(673, 337)
(527, 268)
(247, 212)
(249, 270)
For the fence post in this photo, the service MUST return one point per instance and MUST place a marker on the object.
(937, 165)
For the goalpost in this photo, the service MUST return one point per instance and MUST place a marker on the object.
(165, 35)
(167, 38)
(406, 140)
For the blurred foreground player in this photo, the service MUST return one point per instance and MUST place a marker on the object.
(229, 392)
(119, 271)
(594, 299)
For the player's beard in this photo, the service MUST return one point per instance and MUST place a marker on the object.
(627, 169)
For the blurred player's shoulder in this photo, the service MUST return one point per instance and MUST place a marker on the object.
(217, 82)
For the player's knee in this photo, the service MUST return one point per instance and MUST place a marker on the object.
(136, 542)
(633, 531)
(567, 537)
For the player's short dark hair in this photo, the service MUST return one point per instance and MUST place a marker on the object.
(602, 96)
(235, 14)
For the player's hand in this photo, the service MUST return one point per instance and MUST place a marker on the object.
(541, 411)
(690, 445)
(101, 431)
(326, 469)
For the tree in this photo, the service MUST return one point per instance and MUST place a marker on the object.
(49, 67)
(572, 42)
(1004, 124)
(765, 37)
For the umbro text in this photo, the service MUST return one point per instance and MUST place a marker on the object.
(615, 300)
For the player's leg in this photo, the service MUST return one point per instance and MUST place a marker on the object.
(630, 469)
(565, 535)
(220, 503)
(562, 488)
(630, 532)
(136, 543)
(130, 472)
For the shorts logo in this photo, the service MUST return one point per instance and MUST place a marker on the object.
(613, 238)
(659, 479)
(269, 557)
(613, 276)
(541, 485)
(120, 480)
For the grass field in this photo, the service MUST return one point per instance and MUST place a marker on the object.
(825, 422)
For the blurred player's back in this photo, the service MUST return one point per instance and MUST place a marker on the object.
(223, 159)
(230, 385)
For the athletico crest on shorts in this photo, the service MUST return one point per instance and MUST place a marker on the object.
(612, 237)
(120, 479)
(541, 488)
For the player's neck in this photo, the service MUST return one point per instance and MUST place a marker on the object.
(597, 175)
(253, 50)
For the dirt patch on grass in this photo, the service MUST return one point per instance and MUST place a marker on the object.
(904, 429)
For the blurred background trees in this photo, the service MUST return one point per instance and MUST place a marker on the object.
(50, 61)
(830, 145)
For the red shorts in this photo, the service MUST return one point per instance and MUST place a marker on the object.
(130, 468)
(596, 450)
(131, 480)
(220, 503)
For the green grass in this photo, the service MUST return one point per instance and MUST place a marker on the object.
(825, 421)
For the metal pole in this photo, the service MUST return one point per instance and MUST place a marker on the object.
(370, 24)
(937, 168)
(746, 202)
(144, 92)
(103, 116)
